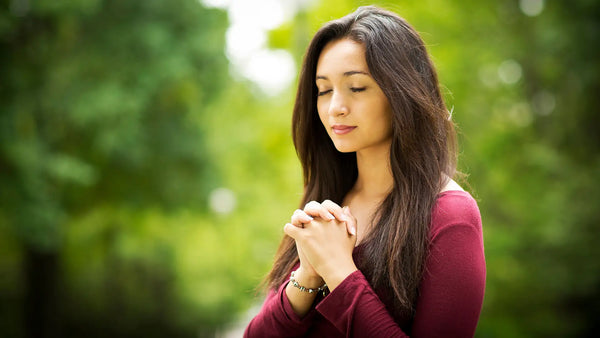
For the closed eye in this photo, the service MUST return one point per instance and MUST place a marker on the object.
(324, 92)
(357, 89)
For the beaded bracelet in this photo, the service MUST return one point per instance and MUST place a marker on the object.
(305, 289)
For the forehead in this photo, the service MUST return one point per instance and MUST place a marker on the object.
(340, 56)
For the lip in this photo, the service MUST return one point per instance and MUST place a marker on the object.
(340, 129)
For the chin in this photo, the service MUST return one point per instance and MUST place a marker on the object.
(344, 148)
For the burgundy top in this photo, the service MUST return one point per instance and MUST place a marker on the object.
(450, 293)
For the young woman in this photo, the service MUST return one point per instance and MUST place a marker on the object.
(395, 247)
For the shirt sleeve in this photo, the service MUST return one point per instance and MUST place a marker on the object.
(452, 289)
(450, 294)
(277, 318)
(356, 310)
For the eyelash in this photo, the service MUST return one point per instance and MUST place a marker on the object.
(353, 89)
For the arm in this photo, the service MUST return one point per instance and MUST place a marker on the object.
(356, 311)
(453, 284)
(302, 302)
(450, 300)
(278, 319)
(289, 312)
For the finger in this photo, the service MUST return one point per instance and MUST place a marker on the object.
(291, 230)
(351, 222)
(315, 209)
(335, 209)
(299, 217)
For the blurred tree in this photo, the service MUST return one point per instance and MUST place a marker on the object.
(97, 103)
(537, 172)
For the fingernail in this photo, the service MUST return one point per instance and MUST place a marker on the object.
(330, 216)
(347, 210)
(353, 231)
(310, 218)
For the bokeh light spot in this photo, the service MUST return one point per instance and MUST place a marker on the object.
(531, 7)
(510, 71)
(222, 200)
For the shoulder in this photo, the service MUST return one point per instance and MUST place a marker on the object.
(455, 208)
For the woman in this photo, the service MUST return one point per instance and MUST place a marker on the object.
(404, 255)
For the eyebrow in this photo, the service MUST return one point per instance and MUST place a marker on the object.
(348, 73)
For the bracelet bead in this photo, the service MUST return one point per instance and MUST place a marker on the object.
(305, 289)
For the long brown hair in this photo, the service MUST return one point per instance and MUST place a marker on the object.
(422, 156)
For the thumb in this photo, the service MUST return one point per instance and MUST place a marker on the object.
(351, 222)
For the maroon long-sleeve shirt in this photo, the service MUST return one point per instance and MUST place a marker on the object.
(450, 293)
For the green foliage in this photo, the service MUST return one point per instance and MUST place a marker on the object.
(118, 119)
(94, 94)
(100, 102)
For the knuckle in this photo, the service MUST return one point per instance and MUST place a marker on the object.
(311, 204)
(331, 205)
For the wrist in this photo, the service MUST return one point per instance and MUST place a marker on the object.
(336, 276)
(294, 283)
(307, 279)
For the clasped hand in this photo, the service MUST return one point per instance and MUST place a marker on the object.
(325, 236)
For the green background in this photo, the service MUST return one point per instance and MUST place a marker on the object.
(119, 119)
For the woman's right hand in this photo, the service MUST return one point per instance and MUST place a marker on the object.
(327, 210)
(299, 218)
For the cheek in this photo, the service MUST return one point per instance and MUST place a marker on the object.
(385, 119)
(322, 114)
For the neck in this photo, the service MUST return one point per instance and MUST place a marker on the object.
(375, 178)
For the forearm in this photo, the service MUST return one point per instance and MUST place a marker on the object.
(277, 319)
(356, 311)
(336, 272)
(301, 301)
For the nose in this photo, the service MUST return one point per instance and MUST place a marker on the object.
(338, 105)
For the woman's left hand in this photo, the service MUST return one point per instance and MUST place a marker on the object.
(327, 245)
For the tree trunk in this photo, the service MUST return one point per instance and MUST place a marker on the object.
(41, 316)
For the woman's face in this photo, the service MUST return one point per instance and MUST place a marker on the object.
(352, 107)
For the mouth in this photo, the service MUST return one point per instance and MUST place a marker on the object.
(339, 129)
